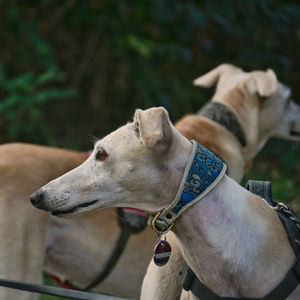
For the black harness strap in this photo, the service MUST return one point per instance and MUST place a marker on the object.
(112, 260)
(291, 279)
(191, 283)
(131, 221)
(223, 115)
(286, 214)
(261, 188)
(282, 291)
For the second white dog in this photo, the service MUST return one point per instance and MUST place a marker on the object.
(231, 238)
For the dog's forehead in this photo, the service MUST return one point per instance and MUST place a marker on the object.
(124, 135)
(236, 76)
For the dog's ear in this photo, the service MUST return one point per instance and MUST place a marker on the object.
(263, 83)
(154, 128)
(210, 78)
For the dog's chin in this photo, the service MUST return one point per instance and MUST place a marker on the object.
(79, 209)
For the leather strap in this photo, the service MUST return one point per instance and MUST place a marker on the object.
(112, 260)
(54, 291)
(292, 226)
(192, 283)
(287, 216)
(282, 291)
(223, 115)
(262, 189)
(131, 221)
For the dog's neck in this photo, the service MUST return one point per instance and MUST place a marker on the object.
(231, 240)
(224, 142)
(246, 107)
(225, 116)
(202, 173)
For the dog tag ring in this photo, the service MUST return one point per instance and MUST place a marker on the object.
(162, 253)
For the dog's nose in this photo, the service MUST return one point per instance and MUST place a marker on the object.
(36, 198)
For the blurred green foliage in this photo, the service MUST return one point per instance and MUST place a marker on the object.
(70, 68)
(120, 55)
(49, 281)
(22, 97)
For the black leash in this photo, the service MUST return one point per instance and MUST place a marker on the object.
(112, 259)
(131, 221)
(292, 226)
(54, 291)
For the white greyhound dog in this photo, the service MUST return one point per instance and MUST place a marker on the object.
(263, 108)
(229, 237)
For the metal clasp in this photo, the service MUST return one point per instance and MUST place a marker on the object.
(289, 213)
(156, 228)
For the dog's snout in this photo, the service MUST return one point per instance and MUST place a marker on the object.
(37, 199)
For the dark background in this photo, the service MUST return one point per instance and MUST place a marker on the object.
(71, 69)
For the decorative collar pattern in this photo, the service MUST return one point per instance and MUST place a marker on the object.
(203, 171)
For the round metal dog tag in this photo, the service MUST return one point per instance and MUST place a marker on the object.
(162, 253)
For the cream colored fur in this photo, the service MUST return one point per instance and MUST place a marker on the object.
(231, 238)
(24, 168)
(238, 90)
(232, 88)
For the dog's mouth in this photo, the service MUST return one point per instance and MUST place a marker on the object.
(73, 209)
(294, 133)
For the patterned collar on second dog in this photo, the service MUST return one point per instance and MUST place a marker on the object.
(203, 171)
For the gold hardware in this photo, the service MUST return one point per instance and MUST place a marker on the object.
(156, 229)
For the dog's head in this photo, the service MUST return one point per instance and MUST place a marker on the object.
(261, 102)
(139, 164)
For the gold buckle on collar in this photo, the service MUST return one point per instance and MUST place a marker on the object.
(154, 226)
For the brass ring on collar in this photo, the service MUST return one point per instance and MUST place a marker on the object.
(157, 229)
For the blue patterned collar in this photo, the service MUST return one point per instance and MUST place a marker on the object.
(203, 171)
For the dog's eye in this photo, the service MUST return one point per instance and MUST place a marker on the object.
(101, 154)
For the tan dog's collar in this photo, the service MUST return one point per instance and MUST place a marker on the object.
(223, 115)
